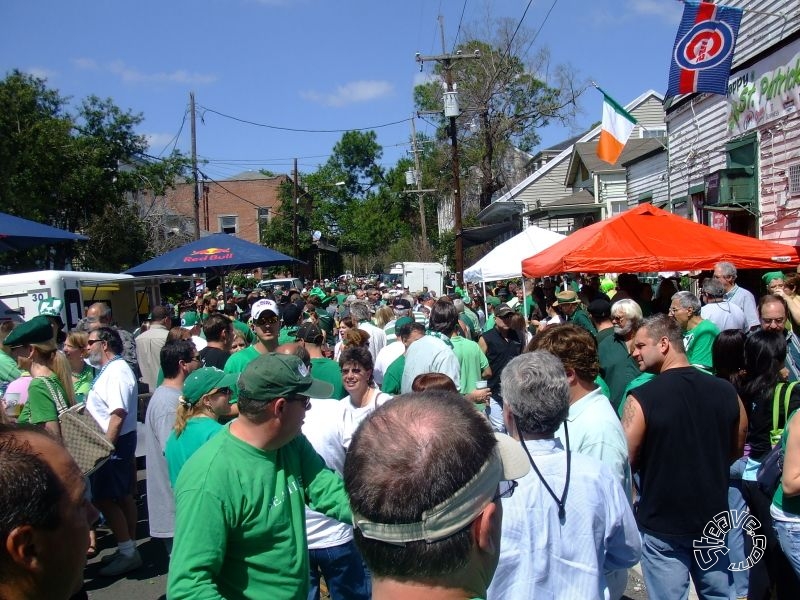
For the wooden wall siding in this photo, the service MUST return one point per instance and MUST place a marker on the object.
(780, 211)
(697, 138)
(648, 176)
(758, 32)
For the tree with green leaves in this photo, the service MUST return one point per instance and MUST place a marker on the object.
(74, 170)
(505, 96)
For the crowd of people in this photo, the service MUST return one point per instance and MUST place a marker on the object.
(534, 442)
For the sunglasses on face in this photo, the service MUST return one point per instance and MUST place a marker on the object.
(264, 321)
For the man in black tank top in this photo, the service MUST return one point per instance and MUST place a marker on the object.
(684, 428)
(500, 344)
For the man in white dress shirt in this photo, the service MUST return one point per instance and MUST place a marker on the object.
(569, 523)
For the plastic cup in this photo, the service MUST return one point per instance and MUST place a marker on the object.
(481, 385)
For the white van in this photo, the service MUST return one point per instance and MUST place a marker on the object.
(129, 297)
(418, 275)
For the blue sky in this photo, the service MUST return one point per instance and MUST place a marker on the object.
(307, 64)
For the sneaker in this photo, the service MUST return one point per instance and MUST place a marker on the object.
(109, 558)
(122, 564)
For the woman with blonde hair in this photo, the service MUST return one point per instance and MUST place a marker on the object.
(239, 342)
(207, 397)
(33, 346)
(75, 349)
(383, 315)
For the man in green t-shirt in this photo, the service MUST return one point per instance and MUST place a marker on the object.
(434, 539)
(310, 336)
(240, 499)
(698, 333)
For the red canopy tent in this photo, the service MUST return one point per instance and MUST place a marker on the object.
(648, 239)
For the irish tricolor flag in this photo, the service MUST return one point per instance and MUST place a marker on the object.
(617, 126)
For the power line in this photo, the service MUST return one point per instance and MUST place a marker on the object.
(458, 31)
(176, 137)
(297, 130)
(511, 41)
(207, 178)
(547, 16)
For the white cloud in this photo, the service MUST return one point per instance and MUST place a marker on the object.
(350, 93)
(41, 72)
(132, 75)
(85, 64)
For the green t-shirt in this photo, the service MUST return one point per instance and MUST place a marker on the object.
(698, 343)
(197, 432)
(792, 504)
(238, 361)
(8, 368)
(489, 325)
(393, 377)
(637, 381)
(329, 370)
(472, 361)
(240, 524)
(582, 319)
(41, 407)
(83, 383)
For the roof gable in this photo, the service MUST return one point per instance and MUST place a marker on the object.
(566, 154)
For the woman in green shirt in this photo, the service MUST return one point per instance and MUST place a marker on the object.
(207, 396)
(33, 346)
(785, 509)
(75, 348)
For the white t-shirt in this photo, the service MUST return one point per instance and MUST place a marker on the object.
(115, 388)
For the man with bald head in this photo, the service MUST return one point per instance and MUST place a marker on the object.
(99, 315)
(44, 517)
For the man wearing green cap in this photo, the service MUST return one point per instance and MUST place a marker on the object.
(240, 499)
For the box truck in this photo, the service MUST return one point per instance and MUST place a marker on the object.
(418, 275)
(129, 297)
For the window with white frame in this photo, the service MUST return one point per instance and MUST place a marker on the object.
(229, 224)
(653, 132)
(794, 179)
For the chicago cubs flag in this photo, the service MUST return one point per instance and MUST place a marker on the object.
(701, 57)
(616, 129)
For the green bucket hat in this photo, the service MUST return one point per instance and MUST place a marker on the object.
(273, 376)
(205, 380)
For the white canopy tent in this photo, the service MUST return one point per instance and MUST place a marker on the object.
(505, 261)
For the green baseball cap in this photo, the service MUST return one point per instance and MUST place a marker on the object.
(35, 331)
(189, 319)
(273, 376)
(402, 321)
(206, 380)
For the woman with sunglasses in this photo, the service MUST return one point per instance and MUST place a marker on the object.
(33, 346)
(207, 397)
(363, 395)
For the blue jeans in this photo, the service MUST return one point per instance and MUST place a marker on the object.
(495, 413)
(735, 538)
(789, 539)
(343, 570)
(668, 563)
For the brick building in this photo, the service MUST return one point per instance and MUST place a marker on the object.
(237, 205)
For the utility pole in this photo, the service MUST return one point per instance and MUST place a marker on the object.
(451, 111)
(295, 249)
(194, 171)
(418, 180)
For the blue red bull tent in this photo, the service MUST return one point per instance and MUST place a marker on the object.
(217, 253)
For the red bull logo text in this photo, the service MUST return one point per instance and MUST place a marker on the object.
(208, 254)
